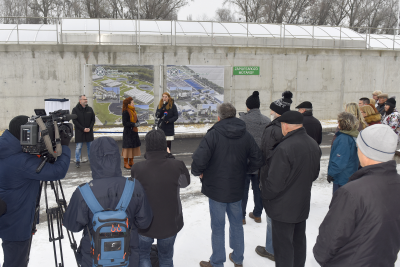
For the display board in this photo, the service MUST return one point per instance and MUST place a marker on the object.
(197, 90)
(113, 83)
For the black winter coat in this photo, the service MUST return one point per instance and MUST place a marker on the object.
(86, 119)
(272, 135)
(162, 178)
(313, 127)
(224, 156)
(293, 167)
(130, 139)
(108, 185)
(167, 124)
(362, 227)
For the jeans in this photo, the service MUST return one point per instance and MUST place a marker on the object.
(236, 235)
(290, 244)
(165, 251)
(78, 151)
(268, 243)
(336, 187)
(255, 185)
(15, 253)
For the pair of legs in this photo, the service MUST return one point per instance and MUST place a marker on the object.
(255, 185)
(78, 151)
(165, 251)
(15, 253)
(236, 235)
(290, 244)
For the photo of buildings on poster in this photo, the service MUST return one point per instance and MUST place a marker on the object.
(113, 83)
(197, 90)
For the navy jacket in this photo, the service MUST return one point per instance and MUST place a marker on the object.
(107, 185)
(171, 117)
(19, 185)
(224, 156)
(343, 160)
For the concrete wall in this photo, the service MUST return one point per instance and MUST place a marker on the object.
(328, 78)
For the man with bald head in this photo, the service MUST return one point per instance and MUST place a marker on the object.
(286, 191)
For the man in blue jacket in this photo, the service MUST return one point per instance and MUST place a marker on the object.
(107, 186)
(19, 187)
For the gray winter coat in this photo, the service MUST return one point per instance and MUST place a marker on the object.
(255, 124)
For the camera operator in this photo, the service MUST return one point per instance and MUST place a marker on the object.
(19, 188)
(168, 114)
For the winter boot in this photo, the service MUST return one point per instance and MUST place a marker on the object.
(131, 162)
(256, 219)
(263, 253)
(205, 264)
(235, 264)
(126, 165)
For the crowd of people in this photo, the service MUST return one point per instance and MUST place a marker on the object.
(280, 156)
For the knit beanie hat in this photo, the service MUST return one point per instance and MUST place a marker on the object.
(156, 141)
(391, 102)
(280, 106)
(15, 125)
(253, 101)
(378, 142)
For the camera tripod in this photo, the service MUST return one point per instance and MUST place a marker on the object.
(56, 213)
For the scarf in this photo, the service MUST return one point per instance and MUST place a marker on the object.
(133, 116)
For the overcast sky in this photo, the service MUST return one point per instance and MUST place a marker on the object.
(199, 7)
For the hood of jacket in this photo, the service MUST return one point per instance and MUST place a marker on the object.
(232, 128)
(105, 158)
(9, 144)
(353, 133)
(373, 118)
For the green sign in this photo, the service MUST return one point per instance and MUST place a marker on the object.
(249, 70)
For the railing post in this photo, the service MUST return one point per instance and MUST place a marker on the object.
(99, 33)
(171, 35)
(175, 32)
(284, 35)
(212, 33)
(17, 33)
(340, 38)
(247, 34)
(394, 39)
(313, 36)
(58, 19)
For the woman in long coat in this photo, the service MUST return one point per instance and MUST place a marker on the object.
(130, 141)
(168, 114)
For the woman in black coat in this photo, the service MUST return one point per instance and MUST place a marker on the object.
(130, 140)
(166, 123)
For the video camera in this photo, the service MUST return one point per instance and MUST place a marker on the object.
(41, 134)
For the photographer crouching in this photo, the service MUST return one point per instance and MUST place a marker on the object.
(19, 188)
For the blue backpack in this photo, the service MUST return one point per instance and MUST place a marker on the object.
(110, 236)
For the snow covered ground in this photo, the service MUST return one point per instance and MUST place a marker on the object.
(193, 243)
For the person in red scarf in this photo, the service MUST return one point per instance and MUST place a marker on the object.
(130, 140)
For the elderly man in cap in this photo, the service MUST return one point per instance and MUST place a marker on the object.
(382, 98)
(293, 167)
(375, 96)
(310, 123)
(362, 227)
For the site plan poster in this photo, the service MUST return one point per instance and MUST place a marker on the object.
(197, 90)
(113, 83)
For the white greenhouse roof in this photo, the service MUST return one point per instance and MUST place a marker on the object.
(104, 31)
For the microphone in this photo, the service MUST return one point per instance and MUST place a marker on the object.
(165, 114)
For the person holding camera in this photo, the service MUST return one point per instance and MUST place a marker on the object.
(19, 188)
(168, 114)
(83, 127)
(130, 138)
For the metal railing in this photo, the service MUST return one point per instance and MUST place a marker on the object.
(15, 30)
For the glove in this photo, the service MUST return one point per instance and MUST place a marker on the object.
(137, 124)
(65, 139)
(329, 178)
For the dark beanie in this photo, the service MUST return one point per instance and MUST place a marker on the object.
(305, 104)
(156, 141)
(391, 102)
(253, 101)
(282, 105)
(15, 125)
(291, 117)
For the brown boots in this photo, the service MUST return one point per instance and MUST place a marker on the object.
(126, 164)
(130, 162)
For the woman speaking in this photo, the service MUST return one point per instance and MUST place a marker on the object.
(130, 140)
(168, 114)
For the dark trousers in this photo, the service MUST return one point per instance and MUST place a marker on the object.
(290, 244)
(255, 185)
(15, 253)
